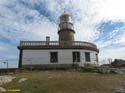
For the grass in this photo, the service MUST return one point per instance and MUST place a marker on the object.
(66, 82)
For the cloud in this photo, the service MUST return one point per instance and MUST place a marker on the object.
(8, 51)
(112, 53)
(31, 16)
(2, 48)
(113, 37)
(111, 44)
(110, 9)
(20, 19)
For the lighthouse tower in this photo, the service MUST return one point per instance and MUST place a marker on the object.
(66, 30)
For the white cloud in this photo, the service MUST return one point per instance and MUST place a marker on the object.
(113, 47)
(114, 37)
(110, 9)
(89, 14)
(103, 44)
(2, 48)
(8, 51)
(85, 32)
(15, 18)
(122, 40)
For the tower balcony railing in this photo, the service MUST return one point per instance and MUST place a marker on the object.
(57, 43)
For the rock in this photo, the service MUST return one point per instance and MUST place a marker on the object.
(2, 89)
(104, 70)
(123, 70)
(116, 71)
(22, 80)
(110, 71)
(6, 79)
(119, 90)
(119, 72)
(50, 77)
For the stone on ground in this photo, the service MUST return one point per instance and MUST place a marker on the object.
(22, 80)
(6, 79)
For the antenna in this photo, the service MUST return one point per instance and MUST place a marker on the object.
(64, 10)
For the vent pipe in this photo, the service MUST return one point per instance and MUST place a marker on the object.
(47, 40)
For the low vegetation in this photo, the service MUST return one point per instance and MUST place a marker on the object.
(69, 81)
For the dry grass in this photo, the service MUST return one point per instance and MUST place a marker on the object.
(66, 82)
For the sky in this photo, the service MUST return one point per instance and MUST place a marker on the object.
(98, 21)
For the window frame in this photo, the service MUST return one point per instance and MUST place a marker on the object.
(55, 58)
(77, 57)
(87, 57)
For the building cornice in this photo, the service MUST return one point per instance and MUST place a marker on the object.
(56, 47)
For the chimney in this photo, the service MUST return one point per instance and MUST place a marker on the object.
(47, 40)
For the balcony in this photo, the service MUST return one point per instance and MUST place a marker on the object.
(57, 44)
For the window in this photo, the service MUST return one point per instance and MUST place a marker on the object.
(53, 57)
(66, 18)
(97, 57)
(76, 56)
(87, 56)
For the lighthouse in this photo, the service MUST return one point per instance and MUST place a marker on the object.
(66, 52)
(66, 30)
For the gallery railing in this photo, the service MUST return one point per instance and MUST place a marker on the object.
(56, 43)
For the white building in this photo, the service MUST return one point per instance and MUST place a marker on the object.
(60, 54)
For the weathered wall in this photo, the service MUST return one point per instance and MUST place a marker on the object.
(66, 36)
(37, 57)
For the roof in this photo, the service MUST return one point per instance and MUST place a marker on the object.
(65, 13)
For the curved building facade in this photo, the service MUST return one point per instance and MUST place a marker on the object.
(64, 53)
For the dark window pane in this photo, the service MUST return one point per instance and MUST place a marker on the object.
(53, 57)
(87, 56)
(97, 58)
(76, 56)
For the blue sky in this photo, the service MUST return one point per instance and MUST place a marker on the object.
(99, 21)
